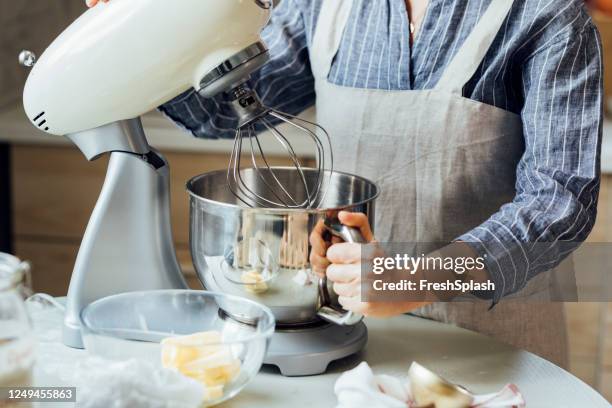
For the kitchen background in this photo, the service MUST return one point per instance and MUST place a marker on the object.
(48, 189)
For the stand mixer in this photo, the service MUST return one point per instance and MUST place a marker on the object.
(122, 59)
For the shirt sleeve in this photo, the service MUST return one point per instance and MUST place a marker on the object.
(558, 176)
(285, 82)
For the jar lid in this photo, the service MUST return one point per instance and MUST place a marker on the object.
(13, 272)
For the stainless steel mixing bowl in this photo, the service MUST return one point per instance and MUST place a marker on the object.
(263, 253)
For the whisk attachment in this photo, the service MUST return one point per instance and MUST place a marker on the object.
(260, 184)
(263, 186)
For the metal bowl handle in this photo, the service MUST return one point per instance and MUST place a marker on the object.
(328, 311)
(348, 234)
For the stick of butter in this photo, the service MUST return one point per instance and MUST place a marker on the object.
(202, 357)
(253, 281)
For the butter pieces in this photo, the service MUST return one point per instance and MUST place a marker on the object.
(202, 357)
(254, 281)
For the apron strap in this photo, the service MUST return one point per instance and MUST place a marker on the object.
(331, 23)
(469, 57)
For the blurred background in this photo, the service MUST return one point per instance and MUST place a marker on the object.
(48, 189)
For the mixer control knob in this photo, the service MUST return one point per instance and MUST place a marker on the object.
(27, 58)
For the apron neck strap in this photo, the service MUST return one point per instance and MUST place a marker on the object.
(332, 20)
(464, 64)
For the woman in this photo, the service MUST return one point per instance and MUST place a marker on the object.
(480, 119)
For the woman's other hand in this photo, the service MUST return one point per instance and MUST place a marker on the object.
(321, 240)
(342, 262)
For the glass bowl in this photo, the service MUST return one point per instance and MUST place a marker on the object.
(145, 325)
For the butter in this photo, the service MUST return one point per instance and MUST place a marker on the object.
(202, 357)
(254, 281)
(213, 393)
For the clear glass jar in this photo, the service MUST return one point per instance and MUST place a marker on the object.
(17, 340)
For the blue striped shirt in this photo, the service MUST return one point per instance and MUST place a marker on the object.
(545, 64)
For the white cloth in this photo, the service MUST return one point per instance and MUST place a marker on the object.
(360, 388)
(133, 384)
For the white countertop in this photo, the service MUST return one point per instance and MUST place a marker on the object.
(164, 135)
(477, 362)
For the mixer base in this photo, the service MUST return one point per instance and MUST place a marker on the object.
(308, 351)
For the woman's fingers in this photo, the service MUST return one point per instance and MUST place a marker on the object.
(324, 257)
(351, 303)
(344, 253)
(318, 263)
(347, 289)
(357, 220)
(339, 273)
(317, 242)
(319, 246)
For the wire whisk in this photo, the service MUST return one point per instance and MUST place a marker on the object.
(264, 186)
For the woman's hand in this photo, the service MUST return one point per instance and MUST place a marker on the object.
(319, 244)
(91, 3)
(342, 263)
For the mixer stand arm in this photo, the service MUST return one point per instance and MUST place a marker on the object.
(128, 243)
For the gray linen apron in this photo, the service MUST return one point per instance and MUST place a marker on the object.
(445, 163)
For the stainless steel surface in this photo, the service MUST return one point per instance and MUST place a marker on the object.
(27, 58)
(431, 390)
(123, 136)
(348, 234)
(127, 245)
(234, 71)
(263, 253)
(246, 105)
(271, 191)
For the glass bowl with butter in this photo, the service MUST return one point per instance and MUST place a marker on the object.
(215, 339)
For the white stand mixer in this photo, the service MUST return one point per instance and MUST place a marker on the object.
(114, 63)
